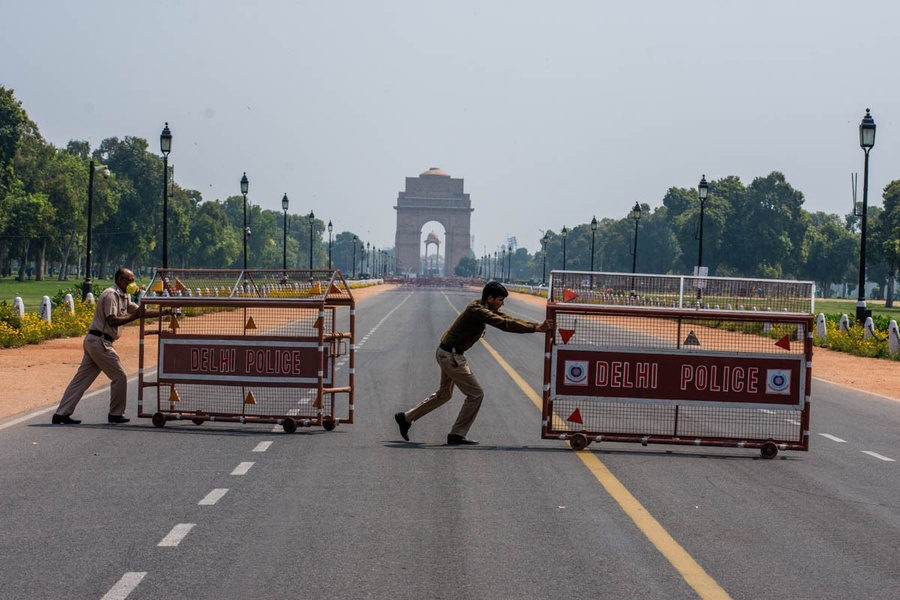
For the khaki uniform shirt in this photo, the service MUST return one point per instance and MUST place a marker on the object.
(470, 324)
(113, 301)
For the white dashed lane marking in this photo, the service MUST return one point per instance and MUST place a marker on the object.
(124, 586)
(177, 534)
(833, 438)
(213, 497)
(878, 456)
(262, 446)
(242, 468)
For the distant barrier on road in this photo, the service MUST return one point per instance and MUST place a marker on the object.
(678, 360)
(256, 346)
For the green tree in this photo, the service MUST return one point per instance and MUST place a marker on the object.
(829, 251)
(138, 220)
(765, 231)
(886, 236)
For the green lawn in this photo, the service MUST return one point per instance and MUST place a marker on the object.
(32, 291)
(848, 307)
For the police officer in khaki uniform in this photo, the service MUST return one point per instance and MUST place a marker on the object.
(114, 309)
(455, 371)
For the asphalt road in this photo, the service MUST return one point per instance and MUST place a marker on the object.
(242, 511)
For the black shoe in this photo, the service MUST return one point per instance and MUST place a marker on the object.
(403, 424)
(64, 420)
(459, 440)
(116, 419)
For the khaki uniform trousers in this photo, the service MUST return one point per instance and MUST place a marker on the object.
(455, 372)
(99, 357)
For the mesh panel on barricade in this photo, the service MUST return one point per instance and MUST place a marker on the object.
(658, 365)
(667, 291)
(249, 346)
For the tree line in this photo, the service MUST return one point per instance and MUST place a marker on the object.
(755, 230)
(760, 230)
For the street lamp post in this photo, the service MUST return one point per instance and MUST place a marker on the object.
(88, 287)
(636, 215)
(355, 239)
(330, 229)
(703, 192)
(509, 264)
(165, 146)
(593, 234)
(544, 241)
(312, 219)
(245, 187)
(503, 262)
(565, 234)
(866, 142)
(284, 206)
(368, 275)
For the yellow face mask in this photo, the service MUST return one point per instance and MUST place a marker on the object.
(132, 288)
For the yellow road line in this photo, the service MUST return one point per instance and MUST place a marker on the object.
(693, 574)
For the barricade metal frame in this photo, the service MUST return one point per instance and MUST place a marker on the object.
(678, 360)
(258, 346)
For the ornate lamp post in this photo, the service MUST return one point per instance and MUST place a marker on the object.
(88, 287)
(368, 275)
(544, 241)
(866, 142)
(165, 146)
(593, 235)
(503, 262)
(565, 234)
(312, 219)
(636, 215)
(355, 239)
(330, 229)
(245, 187)
(509, 264)
(702, 192)
(284, 206)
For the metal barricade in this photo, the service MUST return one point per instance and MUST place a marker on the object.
(678, 360)
(261, 346)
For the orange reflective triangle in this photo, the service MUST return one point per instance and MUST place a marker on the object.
(249, 399)
(691, 340)
(173, 323)
(318, 323)
(566, 334)
(575, 417)
(334, 290)
(318, 402)
(569, 295)
(250, 324)
(784, 342)
(173, 395)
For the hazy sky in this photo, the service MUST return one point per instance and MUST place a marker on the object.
(552, 112)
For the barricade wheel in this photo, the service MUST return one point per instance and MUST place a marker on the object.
(197, 421)
(159, 419)
(578, 441)
(769, 450)
(289, 425)
(329, 423)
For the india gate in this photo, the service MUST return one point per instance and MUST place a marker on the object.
(432, 196)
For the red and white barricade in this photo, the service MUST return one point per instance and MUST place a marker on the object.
(678, 360)
(249, 346)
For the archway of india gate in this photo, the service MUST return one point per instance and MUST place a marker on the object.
(432, 196)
